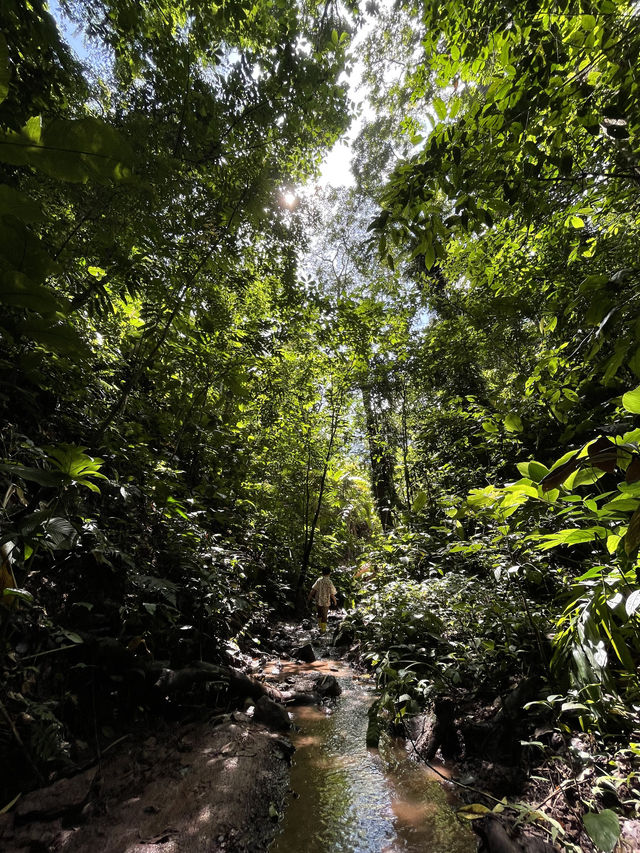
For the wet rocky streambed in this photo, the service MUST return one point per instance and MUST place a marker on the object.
(222, 770)
(347, 798)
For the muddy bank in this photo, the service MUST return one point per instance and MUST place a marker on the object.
(211, 786)
(218, 784)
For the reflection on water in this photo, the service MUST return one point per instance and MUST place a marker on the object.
(350, 799)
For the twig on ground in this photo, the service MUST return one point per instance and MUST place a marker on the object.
(20, 742)
(563, 786)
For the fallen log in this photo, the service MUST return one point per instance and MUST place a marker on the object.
(495, 838)
(429, 732)
(244, 686)
(238, 683)
(181, 680)
(201, 672)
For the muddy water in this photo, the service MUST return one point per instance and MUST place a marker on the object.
(350, 799)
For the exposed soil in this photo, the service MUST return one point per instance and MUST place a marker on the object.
(215, 785)
(211, 786)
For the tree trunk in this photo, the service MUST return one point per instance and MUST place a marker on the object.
(336, 399)
(405, 451)
(382, 457)
(311, 532)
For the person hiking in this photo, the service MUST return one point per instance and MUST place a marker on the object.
(324, 593)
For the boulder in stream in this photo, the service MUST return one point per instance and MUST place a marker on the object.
(327, 685)
(344, 635)
(271, 714)
(432, 730)
(305, 653)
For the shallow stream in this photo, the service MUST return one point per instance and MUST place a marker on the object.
(347, 798)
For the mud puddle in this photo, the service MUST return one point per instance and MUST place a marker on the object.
(350, 799)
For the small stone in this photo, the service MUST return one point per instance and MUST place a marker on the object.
(65, 795)
(240, 717)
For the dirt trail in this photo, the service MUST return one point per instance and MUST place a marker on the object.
(215, 785)
(208, 787)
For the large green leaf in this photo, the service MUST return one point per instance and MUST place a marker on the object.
(74, 462)
(18, 290)
(36, 475)
(570, 536)
(68, 150)
(19, 204)
(603, 828)
(86, 148)
(60, 337)
(34, 522)
(440, 107)
(513, 423)
(631, 401)
(19, 594)
(419, 501)
(22, 251)
(61, 532)
(535, 471)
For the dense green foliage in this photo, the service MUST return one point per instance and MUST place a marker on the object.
(519, 211)
(162, 397)
(425, 381)
(515, 217)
